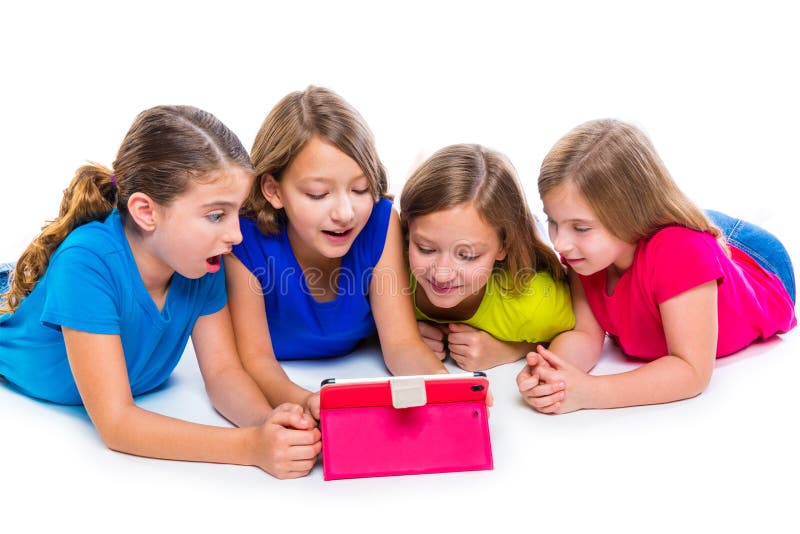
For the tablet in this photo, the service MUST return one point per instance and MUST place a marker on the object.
(404, 425)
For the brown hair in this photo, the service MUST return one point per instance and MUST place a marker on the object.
(289, 126)
(617, 170)
(464, 173)
(165, 148)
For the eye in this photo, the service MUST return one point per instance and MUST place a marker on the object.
(363, 191)
(215, 217)
(464, 256)
(318, 196)
(551, 222)
(423, 250)
(582, 229)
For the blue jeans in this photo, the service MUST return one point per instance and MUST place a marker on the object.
(5, 271)
(759, 244)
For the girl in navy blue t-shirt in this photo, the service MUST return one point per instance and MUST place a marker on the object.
(321, 263)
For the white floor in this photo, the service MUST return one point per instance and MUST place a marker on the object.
(727, 458)
(714, 85)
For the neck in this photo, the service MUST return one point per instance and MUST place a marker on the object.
(460, 312)
(155, 274)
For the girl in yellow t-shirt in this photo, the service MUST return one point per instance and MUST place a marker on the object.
(486, 287)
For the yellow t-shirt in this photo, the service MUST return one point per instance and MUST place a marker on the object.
(541, 311)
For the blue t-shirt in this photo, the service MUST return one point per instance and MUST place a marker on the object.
(92, 284)
(299, 326)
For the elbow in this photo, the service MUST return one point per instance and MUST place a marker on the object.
(699, 381)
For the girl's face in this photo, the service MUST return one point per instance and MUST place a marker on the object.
(452, 253)
(201, 224)
(327, 200)
(579, 237)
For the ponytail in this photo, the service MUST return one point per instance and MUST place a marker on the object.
(89, 197)
(165, 149)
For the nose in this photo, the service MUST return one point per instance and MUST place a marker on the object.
(443, 270)
(233, 233)
(561, 242)
(343, 211)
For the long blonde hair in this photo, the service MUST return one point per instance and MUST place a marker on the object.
(617, 170)
(463, 173)
(289, 126)
(164, 149)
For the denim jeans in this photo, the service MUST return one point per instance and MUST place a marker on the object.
(759, 244)
(5, 270)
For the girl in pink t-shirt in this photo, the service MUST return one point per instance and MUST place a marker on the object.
(648, 268)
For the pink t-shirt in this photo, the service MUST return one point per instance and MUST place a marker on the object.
(752, 303)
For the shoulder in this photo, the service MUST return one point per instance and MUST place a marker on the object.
(370, 243)
(679, 238)
(537, 287)
(94, 242)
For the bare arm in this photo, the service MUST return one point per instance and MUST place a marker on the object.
(123, 426)
(582, 345)
(390, 298)
(690, 326)
(251, 328)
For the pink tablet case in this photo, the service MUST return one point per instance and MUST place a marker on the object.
(363, 435)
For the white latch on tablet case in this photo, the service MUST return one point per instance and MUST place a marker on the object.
(408, 391)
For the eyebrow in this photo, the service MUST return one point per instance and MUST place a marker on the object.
(220, 204)
(478, 245)
(329, 179)
(576, 220)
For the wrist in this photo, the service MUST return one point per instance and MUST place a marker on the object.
(247, 445)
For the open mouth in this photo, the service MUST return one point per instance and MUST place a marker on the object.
(213, 263)
(338, 235)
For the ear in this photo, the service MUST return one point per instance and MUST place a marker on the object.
(143, 210)
(501, 255)
(271, 190)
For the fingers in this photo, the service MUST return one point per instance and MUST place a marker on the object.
(433, 332)
(434, 345)
(550, 357)
(526, 380)
(312, 405)
(546, 404)
(460, 327)
(291, 416)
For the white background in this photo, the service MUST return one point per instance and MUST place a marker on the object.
(714, 85)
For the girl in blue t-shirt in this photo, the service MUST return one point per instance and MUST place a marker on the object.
(101, 304)
(320, 266)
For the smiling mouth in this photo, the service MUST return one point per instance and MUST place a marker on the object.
(437, 288)
(343, 233)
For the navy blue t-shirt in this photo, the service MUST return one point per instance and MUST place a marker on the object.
(299, 326)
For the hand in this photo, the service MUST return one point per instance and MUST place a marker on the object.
(312, 405)
(563, 387)
(434, 336)
(544, 398)
(476, 350)
(287, 443)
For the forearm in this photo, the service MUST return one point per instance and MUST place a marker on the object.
(666, 379)
(143, 433)
(274, 382)
(512, 351)
(238, 398)
(412, 357)
(579, 348)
